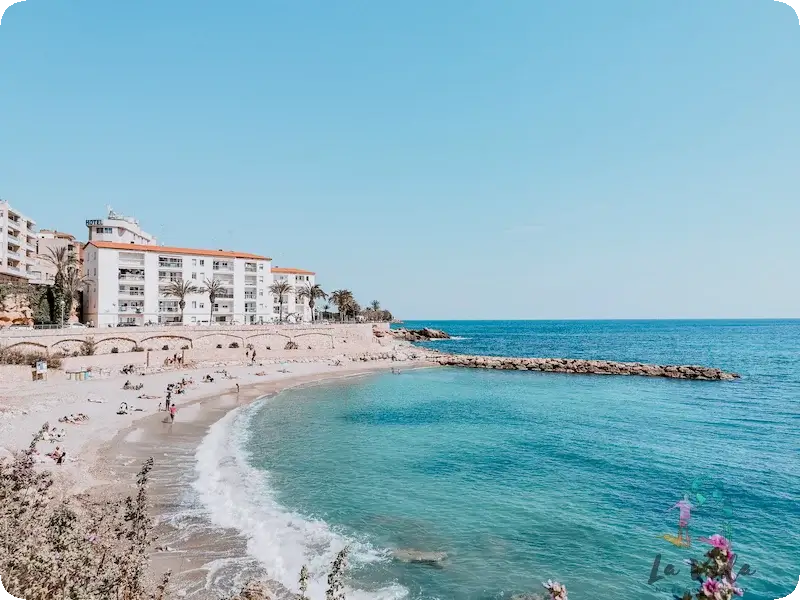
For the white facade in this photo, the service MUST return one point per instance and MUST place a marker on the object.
(119, 229)
(17, 243)
(293, 308)
(128, 283)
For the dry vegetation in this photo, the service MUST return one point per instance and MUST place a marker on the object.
(80, 548)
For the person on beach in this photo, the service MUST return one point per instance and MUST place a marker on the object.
(684, 515)
(172, 410)
(253, 357)
(237, 388)
(167, 401)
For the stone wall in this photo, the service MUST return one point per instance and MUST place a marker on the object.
(69, 342)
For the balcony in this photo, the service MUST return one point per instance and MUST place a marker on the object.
(164, 263)
(131, 292)
(226, 280)
(168, 280)
(11, 253)
(222, 266)
(250, 268)
(249, 296)
(132, 260)
(225, 296)
(13, 239)
(169, 309)
(131, 308)
(250, 281)
(129, 277)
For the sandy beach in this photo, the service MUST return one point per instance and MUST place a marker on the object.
(105, 451)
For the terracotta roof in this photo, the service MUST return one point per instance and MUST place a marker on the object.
(292, 271)
(172, 250)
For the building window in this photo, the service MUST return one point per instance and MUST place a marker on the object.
(202, 263)
(202, 305)
(194, 275)
(194, 262)
(194, 319)
(194, 304)
(260, 292)
(261, 279)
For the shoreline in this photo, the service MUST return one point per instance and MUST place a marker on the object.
(109, 449)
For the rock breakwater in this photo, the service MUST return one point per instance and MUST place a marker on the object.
(413, 335)
(587, 367)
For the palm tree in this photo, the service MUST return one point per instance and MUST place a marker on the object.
(62, 259)
(342, 299)
(212, 287)
(74, 283)
(280, 289)
(313, 293)
(180, 289)
(375, 305)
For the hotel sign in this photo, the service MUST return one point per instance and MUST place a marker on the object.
(91, 222)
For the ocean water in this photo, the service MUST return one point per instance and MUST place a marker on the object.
(521, 477)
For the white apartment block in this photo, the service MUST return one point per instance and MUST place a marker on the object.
(119, 229)
(17, 244)
(294, 309)
(128, 283)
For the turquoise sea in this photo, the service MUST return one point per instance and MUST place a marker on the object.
(521, 477)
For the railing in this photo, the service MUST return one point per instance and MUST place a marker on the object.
(169, 309)
(131, 277)
(13, 268)
(250, 282)
(249, 296)
(222, 268)
(170, 265)
(12, 253)
(169, 280)
(131, 293)
(13, 238)
(224, 296)
(133, 309)
(250, 269)
(131, 262)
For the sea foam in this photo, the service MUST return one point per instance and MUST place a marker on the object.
(238, 496)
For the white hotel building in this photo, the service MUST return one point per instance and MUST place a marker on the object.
(17, 244)
(292, 306)
(128, 283)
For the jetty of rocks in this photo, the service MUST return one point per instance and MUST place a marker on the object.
(588, 367)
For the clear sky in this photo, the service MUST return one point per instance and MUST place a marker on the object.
(451, 158)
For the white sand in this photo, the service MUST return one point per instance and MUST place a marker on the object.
(24, 407)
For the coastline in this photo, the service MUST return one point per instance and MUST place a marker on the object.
(106, 452)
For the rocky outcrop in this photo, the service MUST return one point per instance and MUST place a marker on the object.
(419, 556)
(414, 335)
(588, 367)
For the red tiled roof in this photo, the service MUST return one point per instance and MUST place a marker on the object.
(173, 250)
(292, 271)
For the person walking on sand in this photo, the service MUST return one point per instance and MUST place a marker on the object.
(253, 357)
(237, 388)
(172, 410)
(167, 401)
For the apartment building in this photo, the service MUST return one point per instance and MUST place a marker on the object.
(119, 229)
(128, 285)
(293, 307)
(42, 271)
(17, 244)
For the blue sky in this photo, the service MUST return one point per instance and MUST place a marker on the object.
(453, 159)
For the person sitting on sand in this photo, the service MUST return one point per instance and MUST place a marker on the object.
(55, 454)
